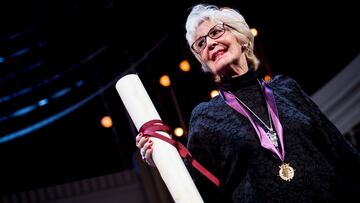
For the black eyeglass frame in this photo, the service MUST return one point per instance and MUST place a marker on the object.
(209, 35)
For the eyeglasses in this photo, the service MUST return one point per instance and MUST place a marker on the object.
(214, 33)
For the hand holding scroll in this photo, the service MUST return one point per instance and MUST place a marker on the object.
(145, 146)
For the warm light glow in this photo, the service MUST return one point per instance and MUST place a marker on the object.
(185, 65)
(178, 132)
(165, 81)
(106, 122)
(254, 31)
(267, 78)
(214, 93)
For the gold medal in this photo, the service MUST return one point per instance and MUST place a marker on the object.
(286, 172)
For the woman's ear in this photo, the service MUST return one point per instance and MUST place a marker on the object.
(244, 47)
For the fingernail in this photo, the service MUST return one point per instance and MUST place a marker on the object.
(150, 141)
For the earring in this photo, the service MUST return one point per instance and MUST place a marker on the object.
(244, 47)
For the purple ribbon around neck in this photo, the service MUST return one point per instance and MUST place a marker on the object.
(230, 99)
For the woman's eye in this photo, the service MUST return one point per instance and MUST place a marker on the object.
(215, 32)
(201, 43)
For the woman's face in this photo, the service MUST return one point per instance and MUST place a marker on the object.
(223, 55)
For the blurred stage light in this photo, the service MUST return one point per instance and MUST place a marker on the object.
(267, 78)
(165, 81)
(214, 93)
(178, 132)
(106, 122)
(185, 66)
(43, 102)
(254, 31)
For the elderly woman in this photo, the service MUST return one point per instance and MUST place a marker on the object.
(266, 142)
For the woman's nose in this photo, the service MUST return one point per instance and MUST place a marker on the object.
(211, 43)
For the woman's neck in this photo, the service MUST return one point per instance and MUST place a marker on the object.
(234, 71)
(239, 81)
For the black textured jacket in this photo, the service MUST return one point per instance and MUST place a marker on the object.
(327, 167)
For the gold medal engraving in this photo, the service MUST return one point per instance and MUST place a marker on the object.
(286, 172)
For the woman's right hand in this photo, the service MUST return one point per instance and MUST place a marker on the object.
(145, 146)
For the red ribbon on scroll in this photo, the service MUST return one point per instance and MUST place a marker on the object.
(149, 129)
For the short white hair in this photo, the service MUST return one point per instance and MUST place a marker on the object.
(231, 17)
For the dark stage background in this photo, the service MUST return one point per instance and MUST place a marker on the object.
(60, 60)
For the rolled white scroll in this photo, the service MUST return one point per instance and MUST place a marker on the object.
(166, 158)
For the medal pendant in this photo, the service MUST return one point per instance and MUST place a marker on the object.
(286, 172)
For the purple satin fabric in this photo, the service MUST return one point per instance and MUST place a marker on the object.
(230, 99)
